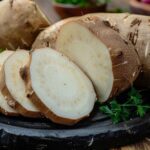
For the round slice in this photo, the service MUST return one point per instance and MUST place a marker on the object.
(101, 53)
(15, 88)
(4, 107)
(60, 89)
(109, 61)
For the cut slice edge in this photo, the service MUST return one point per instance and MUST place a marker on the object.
(4, 107)
(62, 92)
(15, 88)
(90, 44)
(89, 57)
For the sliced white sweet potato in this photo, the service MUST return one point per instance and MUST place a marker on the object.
(110, 62)
(61, 91)
(4, 107)
(3, 56)
(14, 88)
(48, 36)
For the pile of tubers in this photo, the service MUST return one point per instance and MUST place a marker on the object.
(71, 64)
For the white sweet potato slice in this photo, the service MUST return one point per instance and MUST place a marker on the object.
(3, 56)
(15, 88)
(4, 107)
(104, 56)
(95, 38)
(132, 28)
(61, 91)
(48, 36)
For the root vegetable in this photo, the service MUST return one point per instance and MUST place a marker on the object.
(99, 51)
(135, 29)
(20, 23)
(14, 88)
(59, 88)
(4, 107)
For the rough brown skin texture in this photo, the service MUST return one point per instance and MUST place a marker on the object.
(49, 114)
(20, 23)
(8, 113)
(120, 52)
(38, 103)
(134, 29)
(14, 104)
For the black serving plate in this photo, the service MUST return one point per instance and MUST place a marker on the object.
(97, 133)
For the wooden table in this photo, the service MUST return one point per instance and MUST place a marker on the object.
(46, 5)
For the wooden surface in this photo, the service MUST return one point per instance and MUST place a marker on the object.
(46, 5)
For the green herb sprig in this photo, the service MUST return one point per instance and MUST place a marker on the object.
(1, 50)
(134, 106)
(83, 3)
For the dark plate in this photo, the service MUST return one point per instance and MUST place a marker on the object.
(97, 132)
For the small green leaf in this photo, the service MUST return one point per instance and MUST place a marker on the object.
(114, 105)
(115, 119)
(141, 111)
(136, 100)
(125, 114)
(1, 50)
(83, 3)
(106, 110)
(122, 112)
(103, 1)
(134, 92)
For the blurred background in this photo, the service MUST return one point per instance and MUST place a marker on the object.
(59, 9)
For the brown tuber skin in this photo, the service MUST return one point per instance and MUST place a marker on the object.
(134, 29)
(14, 104)
(20, 23)
(121, 52)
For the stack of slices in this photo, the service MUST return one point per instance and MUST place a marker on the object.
(90, 61)
(44, 83)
